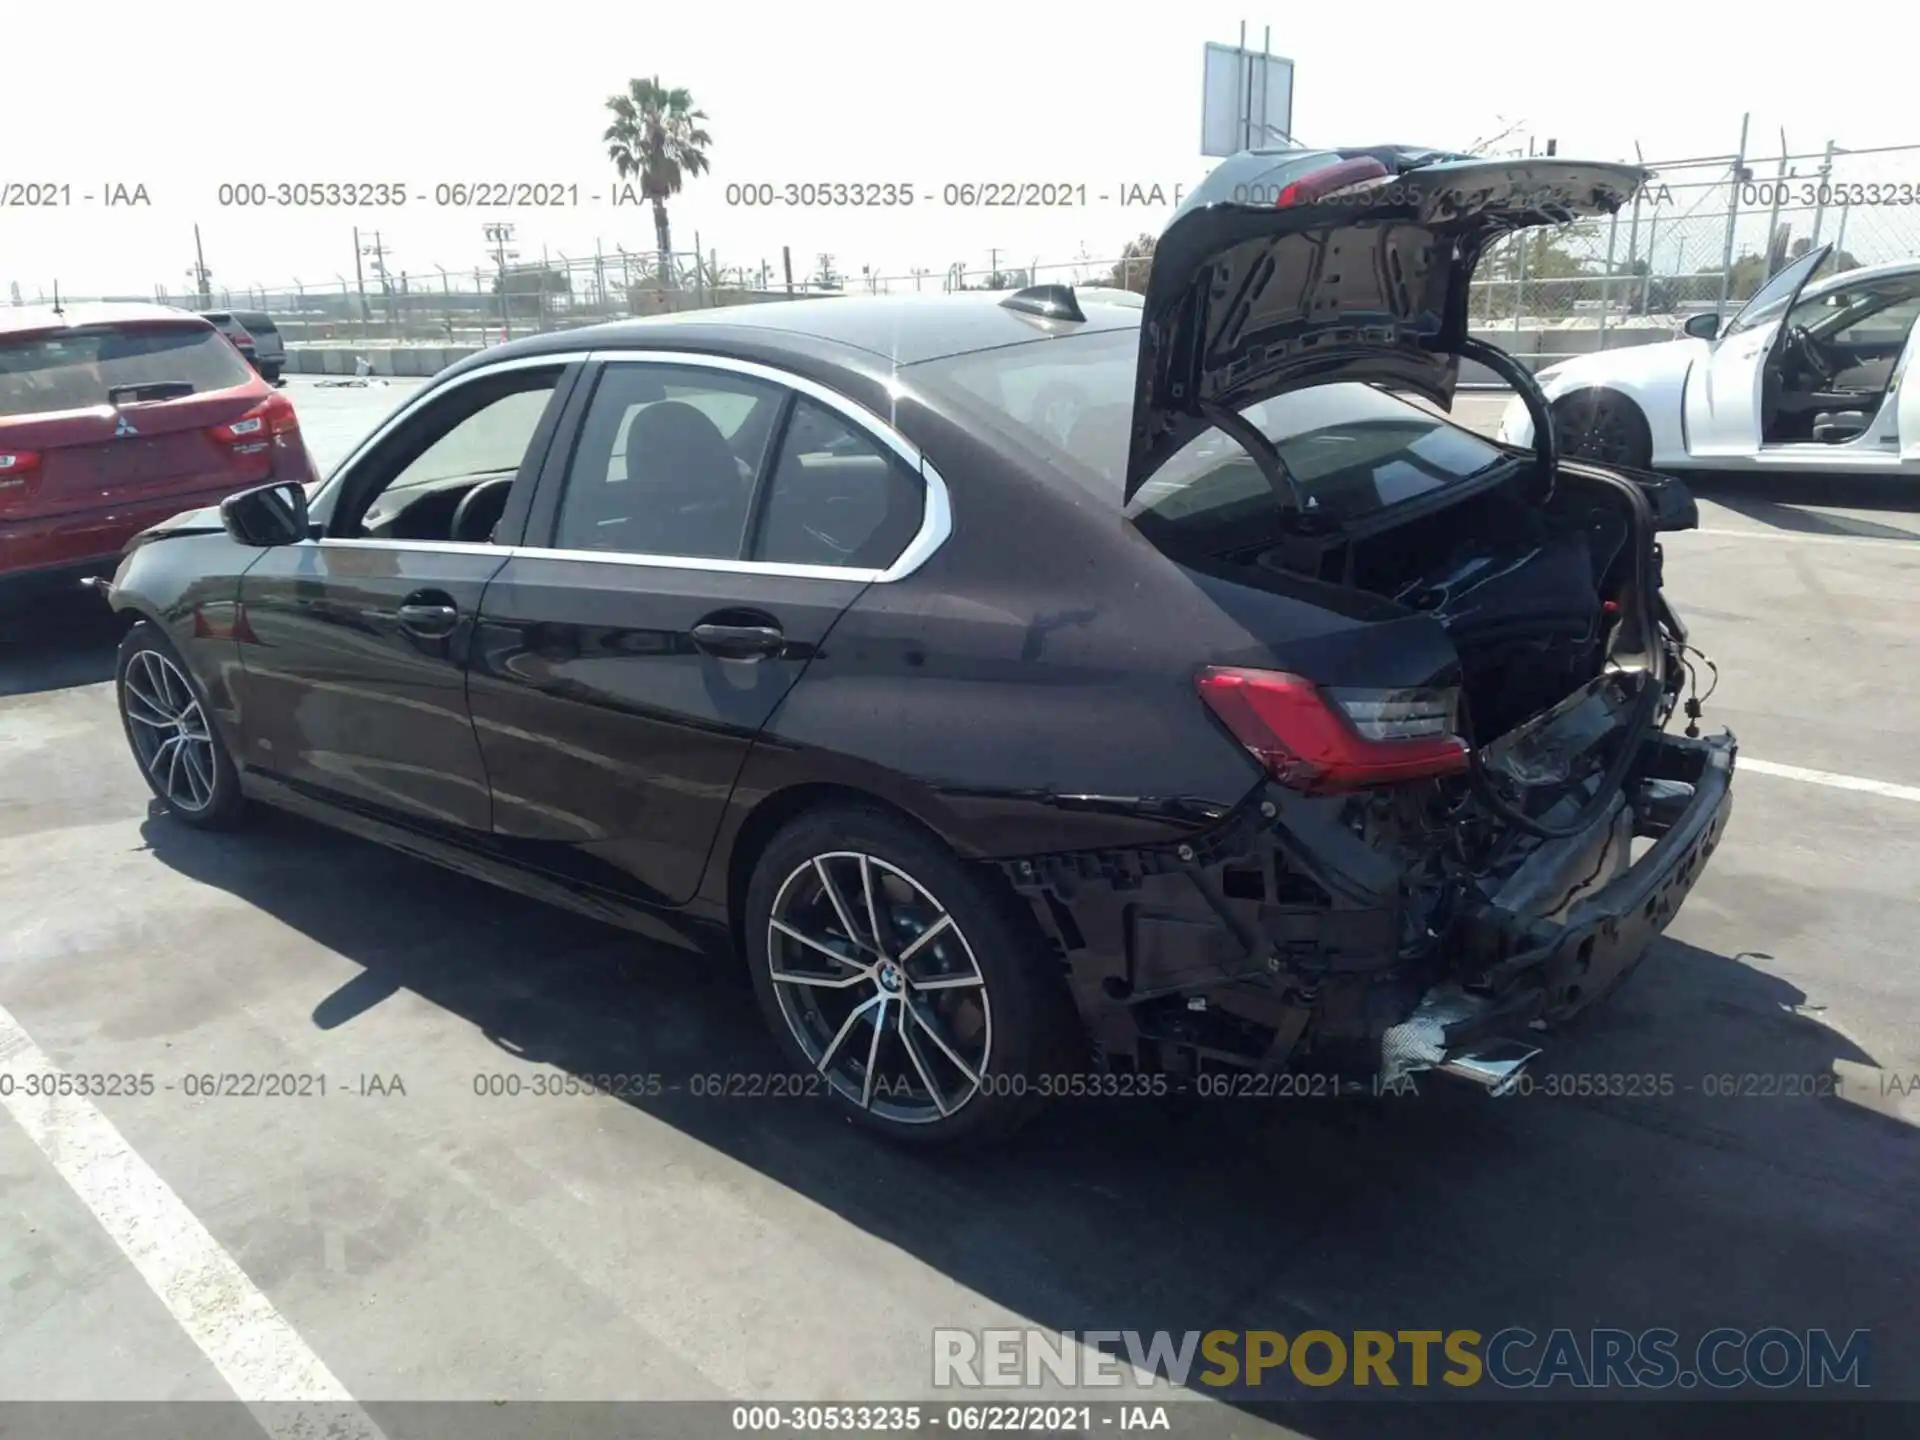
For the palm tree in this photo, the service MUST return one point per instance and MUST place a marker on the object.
(656, 137)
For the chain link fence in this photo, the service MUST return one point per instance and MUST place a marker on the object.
(1703, 235)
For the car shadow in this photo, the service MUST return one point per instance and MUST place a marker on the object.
(58, 641)
(1681, 1207)
(1776, 501)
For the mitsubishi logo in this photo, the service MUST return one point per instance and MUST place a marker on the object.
(123, 428)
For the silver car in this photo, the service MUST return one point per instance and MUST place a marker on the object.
(257, 337)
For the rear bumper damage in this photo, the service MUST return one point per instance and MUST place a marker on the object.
(1312, 934)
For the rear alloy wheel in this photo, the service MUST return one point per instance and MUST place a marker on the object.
(924, 1006)
(1604, 426)
(180, 755)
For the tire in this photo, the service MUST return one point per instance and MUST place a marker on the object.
(1604, 426)
(270, 373)
(970, 1068)
(168, 724)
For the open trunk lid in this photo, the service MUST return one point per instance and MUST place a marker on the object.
(1290, 268)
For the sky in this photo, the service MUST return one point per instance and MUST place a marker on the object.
(1102, 96)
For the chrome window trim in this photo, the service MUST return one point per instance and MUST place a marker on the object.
(422, 398)
(608, 557)
(689, 562)
(936, 522)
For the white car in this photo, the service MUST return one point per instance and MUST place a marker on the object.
(1805, 377)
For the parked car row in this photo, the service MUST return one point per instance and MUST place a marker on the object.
(1032, 686)
(115, 417)
(255, 336)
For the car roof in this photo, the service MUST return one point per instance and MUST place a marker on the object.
(1865, 275)
(22, 318)
(903, 329)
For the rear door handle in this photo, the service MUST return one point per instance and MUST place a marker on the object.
(738, 642)
(428, 614)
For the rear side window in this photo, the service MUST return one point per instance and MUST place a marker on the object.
(836, 497)
(75, 369)
(257, 323)
(666, 462)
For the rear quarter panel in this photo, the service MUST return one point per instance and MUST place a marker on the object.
(1031, 688)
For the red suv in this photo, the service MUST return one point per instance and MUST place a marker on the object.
(116, 417)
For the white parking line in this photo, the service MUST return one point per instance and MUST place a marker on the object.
(1803, 536)
(1827, 777)
(286, 1386)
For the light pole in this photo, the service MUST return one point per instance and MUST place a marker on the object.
(498, 235)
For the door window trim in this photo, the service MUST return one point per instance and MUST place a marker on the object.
(434, 393)
(936, 522)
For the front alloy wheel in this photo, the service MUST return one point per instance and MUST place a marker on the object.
(879, 988)
(1603, 426)
(165, 717)
(169, 730)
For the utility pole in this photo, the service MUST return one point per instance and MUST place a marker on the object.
(499, 235)
(378, 252)
(360, 286)
(202, 279)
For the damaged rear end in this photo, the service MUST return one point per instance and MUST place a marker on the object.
(1471, 823)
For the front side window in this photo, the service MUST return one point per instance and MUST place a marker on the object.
(666, 462)
(477, 435)
(1770, 301)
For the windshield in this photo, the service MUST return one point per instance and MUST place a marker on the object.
(75, 369)
(1352, 449)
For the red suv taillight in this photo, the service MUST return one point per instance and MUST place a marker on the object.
(259, 427)
(1324, 740)
(16, 471)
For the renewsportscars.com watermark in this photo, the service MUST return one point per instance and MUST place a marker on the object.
(1515, 1358)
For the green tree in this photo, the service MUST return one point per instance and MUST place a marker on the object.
(1750, 270)
(656, 138)
(1130, 272)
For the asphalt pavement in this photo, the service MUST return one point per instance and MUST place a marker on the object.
(414, 1237)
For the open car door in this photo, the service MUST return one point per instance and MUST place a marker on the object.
(1723, 406)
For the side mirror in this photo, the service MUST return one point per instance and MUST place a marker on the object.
(1702, 327)
(267, 515)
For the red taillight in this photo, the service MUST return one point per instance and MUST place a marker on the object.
(1321, 740)
(1309, 188)
(271, 418)
(16, 473)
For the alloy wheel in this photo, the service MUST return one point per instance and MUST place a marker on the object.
(1598, 429)
(879, 987)
(169, 729)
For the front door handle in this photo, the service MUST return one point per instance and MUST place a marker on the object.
(428, 615)
(738, 642)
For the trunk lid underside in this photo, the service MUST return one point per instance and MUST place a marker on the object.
(1261, 285)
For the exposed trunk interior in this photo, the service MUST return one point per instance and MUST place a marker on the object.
(1550, 605)
(1527, 592)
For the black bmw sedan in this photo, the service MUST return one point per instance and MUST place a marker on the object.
(1050, 693)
